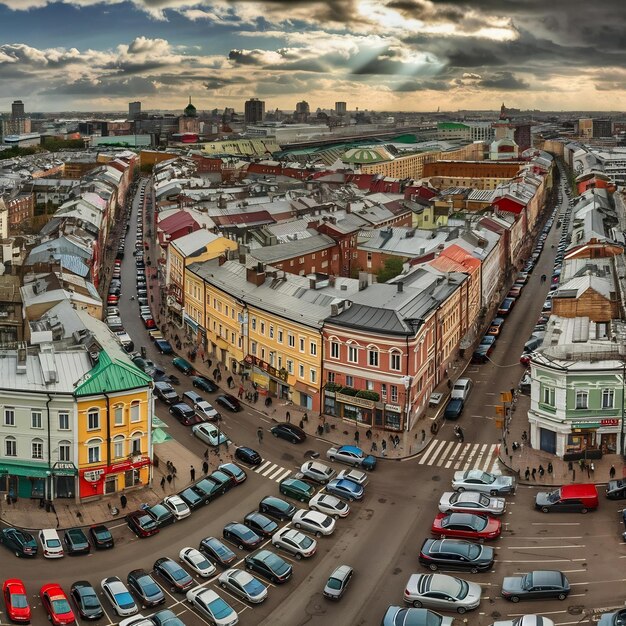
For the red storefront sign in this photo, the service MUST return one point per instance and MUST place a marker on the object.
(609, 422)
(92, 480)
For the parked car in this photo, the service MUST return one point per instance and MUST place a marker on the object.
(615, 490)
(401, 616)
(16, 601)
(345, 489)
(209, 434)
(207, 412)
(242, 536)
(481, 354)
(142, 524)
(76, 541)
(615, 618)
(471, 502)
(20, 542)
(176, 506)
(330, 505)
(51, 544)
(514, 292)
(234, 471)
(217, 551)
(338, 582)
(579, 498)
(185, 414)
(506, 306)
(145, 588)
(165, 392)
(296, 489)
(86, 600)
(101, 537)
(208, 489)
(355, 475)
(295, 542)
(193, 497)
(318, 472)
(315, 522)
(196, 561)
(175, 577)
(536, 585)
(466, 526)
(260, 524)
(166, 617)
(224, 481)
(288, 431)
(229, 402)
(248, 456)
(161, 515)
(477, 480)
(201, 382)
(439, 591)
(269, 565)
(277, 508)
(118, 595)
(182, 365)
(456, 555)
(243, 585)
(351, 455)
(462, 388)
(453, 409)
(212, 606)
(56, 605)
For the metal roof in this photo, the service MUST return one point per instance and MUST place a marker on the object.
(110, 376)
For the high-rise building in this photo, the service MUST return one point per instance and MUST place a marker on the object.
(340, 108)
(302, 111)
(17, 110)
(254, 111)
(134, 110)
(18, 123)
(602, 128)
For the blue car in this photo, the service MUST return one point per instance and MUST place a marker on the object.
(345, 489)
(163, 346)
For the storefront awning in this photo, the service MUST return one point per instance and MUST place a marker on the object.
(23, 470)
(159, 436)
(157, 422)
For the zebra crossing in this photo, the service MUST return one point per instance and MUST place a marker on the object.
(461, 456)
(271, 471)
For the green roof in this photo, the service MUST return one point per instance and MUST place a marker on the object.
(112, 375)
(451, 126)
(364, 155)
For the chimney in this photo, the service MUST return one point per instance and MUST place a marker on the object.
(400, 286)
(221, 259)
(256, 275)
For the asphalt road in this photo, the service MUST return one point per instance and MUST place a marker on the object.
(381, 537)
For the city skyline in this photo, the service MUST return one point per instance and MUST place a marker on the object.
(410, 55)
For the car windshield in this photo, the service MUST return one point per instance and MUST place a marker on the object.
(19, 601)
(484, 500)
(60, 606)
(219, 609)
(304, 541)
(454, 587)
(326, 522)
(53, 543)
(90, 600)
(146, 522)
(527, 581)
(473, 551)
(333, 583)
(178, 573)
(253, 587)
(124, 600)
(620, 618)
(554, 496)
(102, 533)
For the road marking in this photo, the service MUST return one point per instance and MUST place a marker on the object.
(556, 524)
(270, 469)
(546, 538)
(280, 470)
(283, 475)
(599, 582)
(454, 453)
(544, 547)
(479, 458)
(424, 458)
(260, 468)
(547, 560)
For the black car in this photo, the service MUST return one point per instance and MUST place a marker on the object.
(269, 565)
(456, 555)
(76, 541)
(288, 431)
(229, 402)
(86, 600)
(145, 588)
(20, 542)
(208, 489)
(242, 536)
(536, 585)
(200, 382)
(175, 576)
(616, 489)
(165, 392)
(248, 456)
(260, 524)
(193, 498)
(161, 515)
(101, 537)
(453, 409)
(223, 480)
(216, 551)
(185, 414)
(166, 618)
(277, 508)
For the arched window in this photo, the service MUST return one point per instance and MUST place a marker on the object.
(94, 450)
(373, 355)
(118, 446)
(136, 438)
(10, 446)
(36, 448)
(135, 413)
(65, 450)
(395, 360)
(93, 418)
(353, 352)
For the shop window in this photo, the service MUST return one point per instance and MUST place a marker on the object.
(110, 484)
(392, 420)
(37, 449)
(582, 399)
(119, 415)
(10, 446)
(608, 398)
(131, 478)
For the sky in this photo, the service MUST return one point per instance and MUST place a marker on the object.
(383, 55)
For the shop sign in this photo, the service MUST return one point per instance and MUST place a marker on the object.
(393, 407)
(602, 422)
(63, 468)
(281, 374)
(609, 422)
(354, 401)
(93, 476)
(123, 466)
(329, 394)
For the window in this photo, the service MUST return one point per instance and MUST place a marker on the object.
(608, 397)
(65, 451)
(313, 375)
(118, 447)
(118, 412)
(271, 332)
(548, 396)
(262, 328)
(291, 340)
(290, 366)
(301, 371)
(9, 417)
(301, 344)
(353, 355)
(136, 445)
(334, 350)
(372, 357)
(253, 322)
(10, 446)
(383, 391)
(93, 451)
(35, 419)
(369, 385)
(394, 393)
(37, 449)
(395, 361)
(331, 377)
(135, 414)
(582, 399)
(253, 348)
(93, 419)
(349, 381)
(64, 421)
(280, 335)
(313, 347)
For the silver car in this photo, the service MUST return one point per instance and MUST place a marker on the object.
(355, 475)
(338, 582)
(477, 480)
(471, 502)
(440, 591)
(329, 504)
(539, 620)
(319, 472)
(244, 585)
(295, 542)
(315, 522)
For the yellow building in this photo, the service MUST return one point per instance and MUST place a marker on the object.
(114, 407)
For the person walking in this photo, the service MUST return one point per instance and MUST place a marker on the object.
(368, 433)
(163, 483)
(534, 472)
(205, 468)
(356, 437)
(206, 454)
(240, 394)
(612, 472)
(259, 434)
(423, 435)
(123, 501)
(169, 479)
(192, 473)
(288, 417)
(527, 473)
(383, 446)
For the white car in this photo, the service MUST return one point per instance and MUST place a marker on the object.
(177, 506)
(314, 522)
(528, 620)
(51, 544)
(477, 480)
(119, 596)
(440, 591)
(330, 505)
(471, 502)
(137, 620)
(212, 606)
(299, 544)
(244, 585)
(205, 410)
(355, 475)
(319, 472)
(209, 433)
(195, 560)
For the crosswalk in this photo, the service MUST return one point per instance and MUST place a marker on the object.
(461, 456)
(271, 471)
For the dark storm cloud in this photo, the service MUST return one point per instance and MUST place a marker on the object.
(503, 80)
(85, 88)
(216, 82)
(245, 57)
(421, 85)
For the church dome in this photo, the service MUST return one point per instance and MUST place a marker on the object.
(190, 110)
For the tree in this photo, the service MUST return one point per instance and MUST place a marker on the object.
(393, 267)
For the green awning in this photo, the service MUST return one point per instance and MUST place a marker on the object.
(23, 470)
(157, 422)
(159, 436)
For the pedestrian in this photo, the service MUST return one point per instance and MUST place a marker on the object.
(588, 467)
(169, 466)
(259, 434)
(527, 473)
(423, 435)
(192, 473)
(383, 445)
(550, 468)
(320, 430)
(541, 471)
(612, 472)
(209, 363)
(240, 394)
(301, 424)
(356, 437)
(374, 447)
(524, 436)
(368, 433)
(288, 416)
(163, 483)
(169, 479)
(205, 468)
(256, 396)
(592, 467)
(173, 471)
(206, 454)
(229, 382)
(123, 501)
(534, 472)
(305, 417)
(581, 463)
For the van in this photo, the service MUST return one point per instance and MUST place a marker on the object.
(192, 397)
(574, 498)
(461, 389)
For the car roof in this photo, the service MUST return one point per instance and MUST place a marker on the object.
(353, 449)
(547, 577)
(341, 572)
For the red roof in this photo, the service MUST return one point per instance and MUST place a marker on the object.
(509, 205)
(420, 191)
(178, 220)
(253, 217)
(362, 181)
(455, 259)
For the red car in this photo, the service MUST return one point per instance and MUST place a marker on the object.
(16, 600)
(56, 605)
(142, 524)
(112, 300)
(466, 526)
